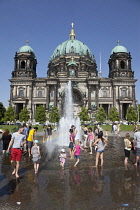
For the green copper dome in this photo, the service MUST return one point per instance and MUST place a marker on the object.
(72, 46)
(118, 49)
(26, 49)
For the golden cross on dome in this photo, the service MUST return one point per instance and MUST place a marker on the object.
(72, 24)
(27, 42)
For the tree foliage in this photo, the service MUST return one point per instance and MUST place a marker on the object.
(84, 114)
(10, 114)
(40, 115)
(131, 115)
(113, 114)
(100, 115)
(2, 111)
(24, 115)
(54, 115)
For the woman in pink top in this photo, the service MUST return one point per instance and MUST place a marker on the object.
(90, 138)
(77, 150)
(72, 136)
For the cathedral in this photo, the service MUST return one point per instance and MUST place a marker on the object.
(73, 60)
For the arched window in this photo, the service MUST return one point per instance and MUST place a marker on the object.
(124, 93)
(21, 93)
(104, 93)
(122, 64)
(40, 93)
(52, 94)
(22, 64)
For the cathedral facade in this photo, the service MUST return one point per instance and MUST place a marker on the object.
(73, 60)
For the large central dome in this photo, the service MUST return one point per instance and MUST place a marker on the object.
(72, 46)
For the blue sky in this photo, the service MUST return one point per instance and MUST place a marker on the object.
(98, 23)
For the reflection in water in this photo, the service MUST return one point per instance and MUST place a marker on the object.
(100, 181)
(83, 187)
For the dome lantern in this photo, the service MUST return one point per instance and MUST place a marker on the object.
(72, 34)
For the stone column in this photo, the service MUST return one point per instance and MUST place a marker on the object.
(11, 93)
(97, 95)
(114, 96)
(133, 96)
(121, 114)
(55, 95)
(89, 97)
(48, 97)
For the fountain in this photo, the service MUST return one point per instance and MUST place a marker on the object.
(68, 118)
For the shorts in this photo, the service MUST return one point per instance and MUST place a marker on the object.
(138, 152)
(91, 140)
(100, 151)
(71, 145)
(127, 153)
(77, 156)
(5, 146)
(16, 154)
(85, 135)
(30, 144)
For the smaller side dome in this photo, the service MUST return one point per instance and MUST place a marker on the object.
(119, 48)
(26, 49)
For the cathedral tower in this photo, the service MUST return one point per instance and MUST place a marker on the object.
(25, 62)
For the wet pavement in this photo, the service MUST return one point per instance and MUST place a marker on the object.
(81, 188)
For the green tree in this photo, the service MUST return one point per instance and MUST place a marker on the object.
(10, 114)
(24, 115)
(54, 115)
(113, 114)
(40, 115)
(84, 114)
(131, 114)
(2, 111)
(100, 115)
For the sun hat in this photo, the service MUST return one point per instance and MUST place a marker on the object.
(36, 141)
(62, 150)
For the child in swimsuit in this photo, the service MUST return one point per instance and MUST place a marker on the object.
(62, 158)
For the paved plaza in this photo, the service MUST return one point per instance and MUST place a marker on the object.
(80, 188)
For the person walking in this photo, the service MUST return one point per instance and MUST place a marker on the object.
(85, 136)
(25, 132)
(30, 139)
(44, 133)
(136, 143)
(77, 151)
(49, 131)
(17, 142)
(6, 138)
(101, 144)
(127, 149)
(35, 151)
(71, 144)
(96, 131)
(91, 139)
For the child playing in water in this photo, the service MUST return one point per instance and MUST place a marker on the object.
(62, 158)
(77, 150)
(128, 147)
(90, 138)
(35, 151)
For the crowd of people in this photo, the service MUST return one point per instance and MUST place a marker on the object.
(21, 141)
(24, 141)
(91, 138)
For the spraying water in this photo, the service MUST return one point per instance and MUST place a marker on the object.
(68, 119)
